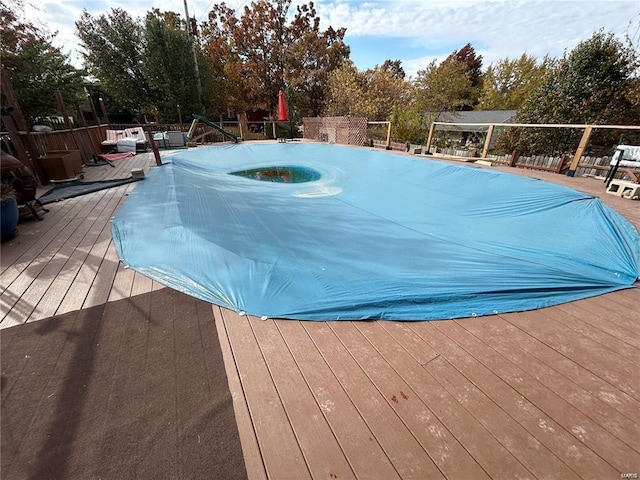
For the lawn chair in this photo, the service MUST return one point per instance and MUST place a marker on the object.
(110, 145)
(626, 159)
(135, 140)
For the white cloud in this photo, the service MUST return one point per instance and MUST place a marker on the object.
(496, 28)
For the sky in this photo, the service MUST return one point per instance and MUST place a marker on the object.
(413, 31)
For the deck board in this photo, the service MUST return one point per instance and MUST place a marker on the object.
(279, 446)
(405, 452)
(355, 438)
(513, 346)
(521, 445)
(509, 388)
(314, 436)
(250, 448)
(455, 440)
(547, 394)
(592, 435)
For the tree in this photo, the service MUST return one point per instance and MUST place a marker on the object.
(311, 58)
(467, 56)
(374, 93)
(167, 57)
(395, 68)
(508, 83)
(37, 68)
(264, 54)
(444, 87)
(114, 48)
(590, 85)
(345, 92)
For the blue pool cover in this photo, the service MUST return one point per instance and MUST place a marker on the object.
(377, 235)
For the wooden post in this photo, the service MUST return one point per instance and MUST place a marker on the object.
(180, 118)
(154, 147)
(86, 149)
(513, 159)
(21, 151)
(20, 123)
(239, 116)
(427, 148)
(93, 109)
(80, 115)
(487, 141)
(581, 148)
(388, 147)
(103, 109)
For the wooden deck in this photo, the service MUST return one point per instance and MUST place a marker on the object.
(552, 393)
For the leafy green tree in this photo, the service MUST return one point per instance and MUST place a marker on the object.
(374, 93)
(508, 83)
(467, 56)
(167, 57)
(37, 68)
(114, 49)
(590, 85)
(444, 87)
(345, 93)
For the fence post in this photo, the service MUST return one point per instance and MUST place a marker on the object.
(154, 147)
(103, 109)
(86, 151)
(427, 147)
(487, 141)
(17, 116)
(388, 147)
(581, 148)
(93, 109)
(563, 158)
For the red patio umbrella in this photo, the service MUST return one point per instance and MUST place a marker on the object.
(282, 107)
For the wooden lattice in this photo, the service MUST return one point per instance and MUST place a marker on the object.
(341, 130)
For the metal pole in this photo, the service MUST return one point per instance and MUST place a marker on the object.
(195, 57)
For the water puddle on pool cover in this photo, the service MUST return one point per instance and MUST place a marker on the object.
(284, 174)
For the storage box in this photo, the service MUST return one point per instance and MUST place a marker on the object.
(175, 139)
(127, 145)
(58, 167)
(75, 155)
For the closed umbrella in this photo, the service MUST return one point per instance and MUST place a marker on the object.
(282, 107)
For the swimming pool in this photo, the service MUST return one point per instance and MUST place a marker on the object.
(371, 235)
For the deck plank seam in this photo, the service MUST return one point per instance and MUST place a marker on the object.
(313, 394)
(355, 405)
(574, 387)
(392, 406)
(31, 280)
(577, 367)
(442, 421)
(589, 441)
(480, 422)
(88, 233)
(252, 319)
(586, 366)
(250, 446)
(544, 441)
